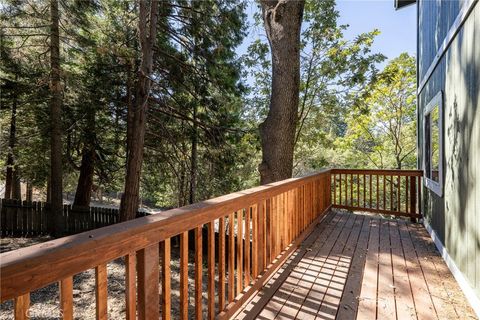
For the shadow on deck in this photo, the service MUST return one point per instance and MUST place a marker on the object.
(360, 266)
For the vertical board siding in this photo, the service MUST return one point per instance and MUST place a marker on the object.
(454, 217)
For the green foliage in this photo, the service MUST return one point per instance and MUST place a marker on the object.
(333, 70)
(381, 127)
(202, 117)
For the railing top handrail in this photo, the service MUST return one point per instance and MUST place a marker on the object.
(34, 267)
(387, 172)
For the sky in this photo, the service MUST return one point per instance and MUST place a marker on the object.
(398, 28)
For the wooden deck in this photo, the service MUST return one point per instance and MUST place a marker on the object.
(364, 267)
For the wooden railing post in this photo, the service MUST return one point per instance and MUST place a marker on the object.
(148, 273)
(22, 304)
(413, 198)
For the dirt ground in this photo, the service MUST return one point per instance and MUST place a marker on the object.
(45, 301)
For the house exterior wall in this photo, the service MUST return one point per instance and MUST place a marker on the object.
(455, 216)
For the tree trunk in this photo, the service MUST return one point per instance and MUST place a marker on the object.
(17, 186)
(181, 185)
(83, 193)
(87, 167)
(282, 20)
(147, 35)
(56, 170)
(11, 145)
(194, 158)
(49, 191)
(130, 112)
(29, 192)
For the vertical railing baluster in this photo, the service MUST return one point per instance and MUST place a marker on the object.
(407, 190)
(130, 286)
(268, 231)
(398, 194)
(221, 263)
(231, 257)
(101, 291)
(211, 270)
(391, 192)
(340, 183)
(262, 251)
(198, 272)
(255, 247)
(166, 279)
(364, 191)
(346, 189)
(184, 274)
(239, 284)
(371, 189)
(358, 190)
(384, 193)
(334, 188)
(247, 247)
(66, 298)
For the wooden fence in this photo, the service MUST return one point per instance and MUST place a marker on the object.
(28, 219)
(393, 192)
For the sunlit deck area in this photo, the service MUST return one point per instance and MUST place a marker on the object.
(290, 249)
(364, 267)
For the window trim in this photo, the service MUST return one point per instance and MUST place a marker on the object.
(436, 187)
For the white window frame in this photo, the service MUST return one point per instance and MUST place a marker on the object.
(436, 187)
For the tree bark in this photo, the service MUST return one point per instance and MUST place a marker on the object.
(130, 112)
(194, 158)
(17, 186)
(29, 192)
(83, 193)
(147, 33)
(11, 145)
(56, 170)
(49, 191)
(87, 167)
(282, 20)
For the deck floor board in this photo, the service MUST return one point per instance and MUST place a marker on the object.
(365, 267)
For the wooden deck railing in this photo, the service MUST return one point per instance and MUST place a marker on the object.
(257, 230)
(394, 192)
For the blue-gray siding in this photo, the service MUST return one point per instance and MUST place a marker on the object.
(455, 217)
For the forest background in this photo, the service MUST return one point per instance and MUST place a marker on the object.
(206, 101)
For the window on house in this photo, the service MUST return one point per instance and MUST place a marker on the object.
(433, 137)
